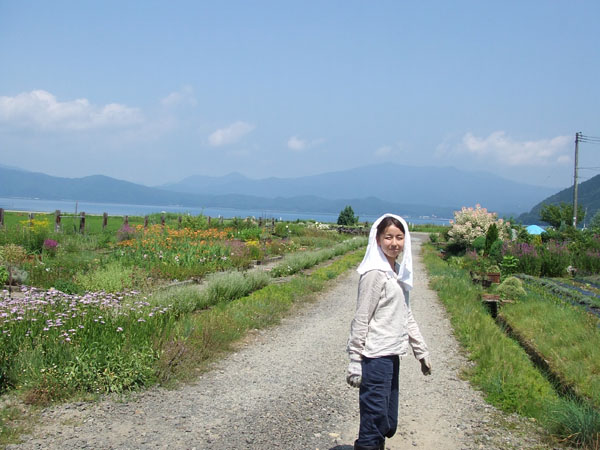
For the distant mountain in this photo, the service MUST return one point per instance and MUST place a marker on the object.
(98, 188)
(443, 186)
(588, 196)
(372, 190)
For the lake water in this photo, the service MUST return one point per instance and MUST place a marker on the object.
(117, 209)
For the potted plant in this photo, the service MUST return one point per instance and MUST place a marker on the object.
(493, 273)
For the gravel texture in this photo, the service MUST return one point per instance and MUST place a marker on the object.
(284, 387)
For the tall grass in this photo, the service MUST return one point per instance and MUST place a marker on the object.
(217, 288)
(566, 336)
(296, 262)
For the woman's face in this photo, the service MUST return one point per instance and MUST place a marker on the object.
(391, 242)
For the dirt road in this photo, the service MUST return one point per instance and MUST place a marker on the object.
(285, 388)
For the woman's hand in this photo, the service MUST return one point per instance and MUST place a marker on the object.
(425, 366)
(354, 375)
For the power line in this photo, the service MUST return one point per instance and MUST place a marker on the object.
(588, 139)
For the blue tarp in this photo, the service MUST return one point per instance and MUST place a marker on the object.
(534, 229)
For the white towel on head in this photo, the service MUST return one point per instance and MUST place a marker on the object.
(375, 259)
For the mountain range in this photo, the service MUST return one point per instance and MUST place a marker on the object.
(445, 187)
(588, 196)
(370, 190)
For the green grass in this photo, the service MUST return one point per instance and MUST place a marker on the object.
(502, 369)
(566, 336)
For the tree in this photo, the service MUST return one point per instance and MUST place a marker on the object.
(347, 216)
(595, 222)
(556, 215)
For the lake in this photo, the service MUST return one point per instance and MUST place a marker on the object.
(117, 209)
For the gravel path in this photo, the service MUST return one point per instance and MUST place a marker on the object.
(285, 388)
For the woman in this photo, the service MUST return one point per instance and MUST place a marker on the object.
(382, 330)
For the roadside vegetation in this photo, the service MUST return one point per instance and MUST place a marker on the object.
(122, 308)
(532, 333)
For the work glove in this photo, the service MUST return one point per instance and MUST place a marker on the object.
(425, 365)
(354, 376)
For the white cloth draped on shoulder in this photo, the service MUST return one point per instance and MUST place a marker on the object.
(375, 258)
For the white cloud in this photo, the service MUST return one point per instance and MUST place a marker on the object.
(383, 151)
(230, 134)
(41, 110)
(503, 150)
(185, 96)
(297, 144)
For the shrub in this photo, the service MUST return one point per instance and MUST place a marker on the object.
(495, 251)
(479, 243)
(509, 265)
(511, 288)
(491, 236)
(469, 223)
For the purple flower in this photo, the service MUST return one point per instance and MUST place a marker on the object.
(50, 244)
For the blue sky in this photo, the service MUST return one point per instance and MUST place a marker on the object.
(153, 92)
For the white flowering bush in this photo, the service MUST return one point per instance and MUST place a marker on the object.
(470, 223)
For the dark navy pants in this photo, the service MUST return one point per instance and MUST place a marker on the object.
(378, 399)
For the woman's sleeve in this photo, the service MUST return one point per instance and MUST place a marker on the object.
(369, 291)
(415, 339)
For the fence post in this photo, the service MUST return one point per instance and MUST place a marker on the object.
(260, 219)
(145, 222)
(104, 221)
(179, 221)
(31, 216)
(162, 220)
(57, 220)
(1, 217)
(126, 221)
(220, 220)
(82, 222)
(208, 218)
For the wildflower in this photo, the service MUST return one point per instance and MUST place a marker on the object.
(119, 329)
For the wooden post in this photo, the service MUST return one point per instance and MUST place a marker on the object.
(126, 221)
(1, 217)
(208, 218)
(162, 220)
(82, 222)
(57, 220)
(260, 222)
(145, 222)
(104, 221)
(31, 216)
(179, 221)
(220, 220)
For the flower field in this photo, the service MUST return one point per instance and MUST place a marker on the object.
(91, 313)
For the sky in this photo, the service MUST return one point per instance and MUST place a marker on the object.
(155, 91)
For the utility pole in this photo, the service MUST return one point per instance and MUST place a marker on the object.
(577, 138)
